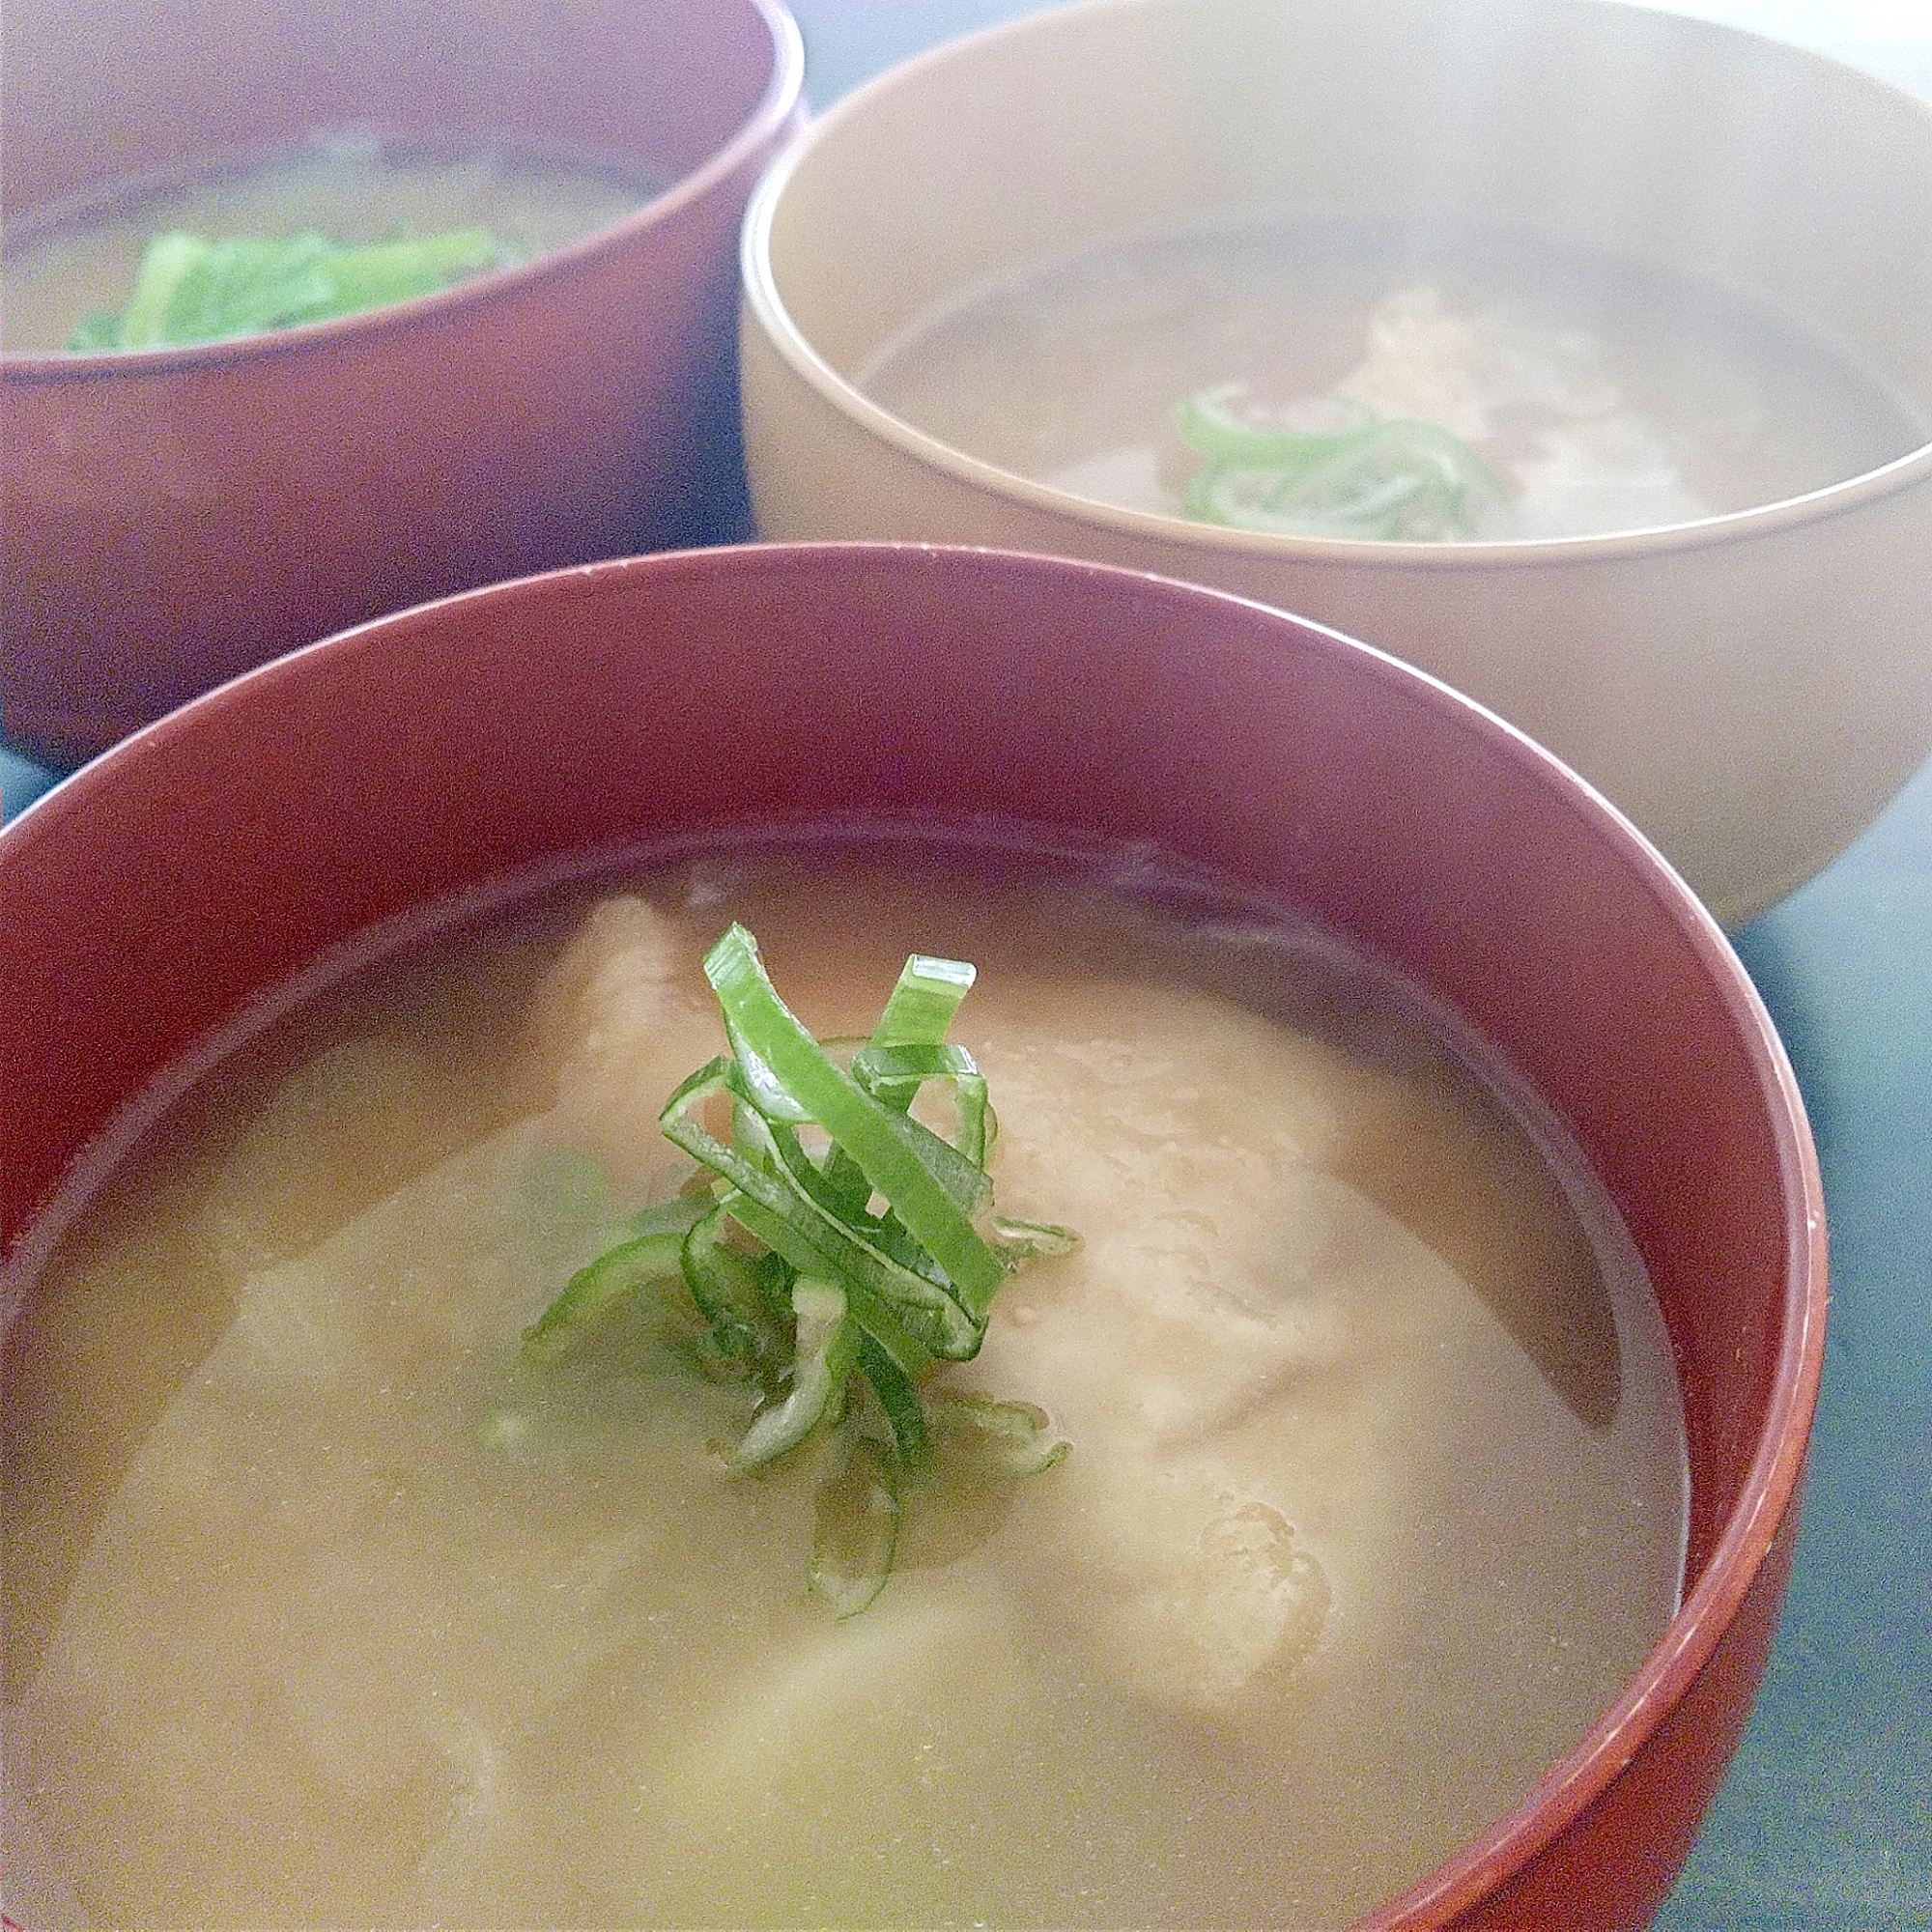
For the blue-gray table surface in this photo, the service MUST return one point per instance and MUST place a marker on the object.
(1826, 1820)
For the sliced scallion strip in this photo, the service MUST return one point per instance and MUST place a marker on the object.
(868, 1131)
(1006, 1439)
(616, 1278)
(915, 1017)
(871, 1263)
(195, 288)
(816, 1241)
(876, 1315)
(894, 1074)
(919, 1008)
(735, 1294)
(826, 1350)
(856, 1529)
(1032, 1240)
(1211, 427)
(905, 1412)
(677, 1216)
(1367, 477)
(166, 264)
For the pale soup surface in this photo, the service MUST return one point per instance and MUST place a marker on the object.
(82, 256)
(1607, 395)
(1376, 1497)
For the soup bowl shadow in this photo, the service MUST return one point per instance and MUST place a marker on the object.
(1751, 688)
(156, 896)
(174, 516)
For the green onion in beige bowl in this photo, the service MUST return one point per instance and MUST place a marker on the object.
(1580, 355)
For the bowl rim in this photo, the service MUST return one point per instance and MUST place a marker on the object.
(1768, 1488)
(1767, 1496)
(781, 97)
(765, 303)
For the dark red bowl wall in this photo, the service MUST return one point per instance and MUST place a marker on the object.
(219, 852)
(174, 518)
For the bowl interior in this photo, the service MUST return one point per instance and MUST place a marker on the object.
(151, 898)
(1712, 153)
(661, 84)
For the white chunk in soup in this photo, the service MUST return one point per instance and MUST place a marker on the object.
(324, 1608)
(81, 258)
(1560, 393)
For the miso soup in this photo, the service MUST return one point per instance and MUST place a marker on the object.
(1600, 394)
(79, 258)
(1374, 1495)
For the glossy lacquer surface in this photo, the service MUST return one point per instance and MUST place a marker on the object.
(176, 515)
(1825, 1820)
(497, 732)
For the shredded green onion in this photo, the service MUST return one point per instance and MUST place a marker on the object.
(834, 1310)
(1394, 479)
(1012, 1438)
(825, 1352)
(615, 1279)
(190, 288)
(856, 1529)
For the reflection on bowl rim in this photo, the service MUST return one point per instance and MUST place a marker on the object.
(765, 301)
(782, 90)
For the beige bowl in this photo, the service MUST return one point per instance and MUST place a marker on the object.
(1753, 688)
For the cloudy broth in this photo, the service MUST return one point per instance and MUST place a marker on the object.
(1376, 1495)
(74, 258)
(1607, 394)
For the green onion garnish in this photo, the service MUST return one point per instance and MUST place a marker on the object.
(834, 1309)
(191, 289)
(1366, 477)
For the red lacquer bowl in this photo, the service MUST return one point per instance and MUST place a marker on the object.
(214, 855)
(173, 516)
